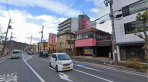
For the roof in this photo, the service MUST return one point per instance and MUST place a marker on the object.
(91, 30)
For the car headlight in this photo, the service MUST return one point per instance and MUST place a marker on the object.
(71, 62)
(60, 63)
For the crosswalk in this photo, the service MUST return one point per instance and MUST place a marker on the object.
(10, 77)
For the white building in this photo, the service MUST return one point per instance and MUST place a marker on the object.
(125, 12)
(69, 25)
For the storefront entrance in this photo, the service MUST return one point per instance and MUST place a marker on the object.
(103, 51)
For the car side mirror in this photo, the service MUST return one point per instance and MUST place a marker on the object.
(55, 58)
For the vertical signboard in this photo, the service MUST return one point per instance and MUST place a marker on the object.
(50, 39)
(54, 39)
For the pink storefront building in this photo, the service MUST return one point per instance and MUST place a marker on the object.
(91, 41)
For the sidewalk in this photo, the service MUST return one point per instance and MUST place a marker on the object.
(105, 62)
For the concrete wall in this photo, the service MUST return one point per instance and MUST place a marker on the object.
(121, 37)
(64, 42)
(74, 24)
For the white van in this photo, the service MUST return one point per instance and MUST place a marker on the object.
(61, 62)
(15, 54)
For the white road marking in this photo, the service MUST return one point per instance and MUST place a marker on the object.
(89, 68)
(46, 60)
(41, 79)
(8, 77)
(4, 59)
(93, 75)
(52, 68)
(29, 58)
(65, 77)
(124, 71)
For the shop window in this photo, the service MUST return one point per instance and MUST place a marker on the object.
(130, 27)
(135, 52)
(135, 7)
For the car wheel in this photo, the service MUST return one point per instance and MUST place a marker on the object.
(57, 69)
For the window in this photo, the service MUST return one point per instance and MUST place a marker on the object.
(135, 7)
(61, 36)
(129, 27)
(77, 36)
(91, 35)
(99, 37)
(86, 35)
(53, 56)
(63, 57)
(80, 36)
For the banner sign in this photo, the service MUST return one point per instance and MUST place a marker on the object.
(52, 39)
(88, 51)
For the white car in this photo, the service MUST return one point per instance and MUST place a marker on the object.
(15, 54)
(61, 62)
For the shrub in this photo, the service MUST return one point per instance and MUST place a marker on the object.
(134, 63)
(145, 67)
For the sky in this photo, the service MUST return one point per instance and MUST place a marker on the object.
(28, 16)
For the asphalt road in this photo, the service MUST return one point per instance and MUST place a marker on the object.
(31, 68)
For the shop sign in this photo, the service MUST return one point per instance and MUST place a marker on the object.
(85, 42)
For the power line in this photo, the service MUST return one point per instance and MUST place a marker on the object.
(8, 8)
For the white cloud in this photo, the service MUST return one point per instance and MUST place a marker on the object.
(51, 5)
(23, 26)
(96, 10)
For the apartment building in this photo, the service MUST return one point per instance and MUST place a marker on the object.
(125, 12)
(65, 35)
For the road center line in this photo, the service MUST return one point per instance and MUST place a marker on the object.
(4, 59)
(93, 75)
(41, 79)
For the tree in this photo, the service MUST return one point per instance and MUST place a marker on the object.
(141, 31)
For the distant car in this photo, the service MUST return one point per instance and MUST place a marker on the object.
(30, 52)
(15, 54)
(61, 62)
(43, 54)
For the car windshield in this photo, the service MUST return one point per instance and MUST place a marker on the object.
(15, 52)
(63, 57)
(44, 52)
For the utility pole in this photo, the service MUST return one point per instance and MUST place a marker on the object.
(110, 2)
(10, 48)
(31, 42)
(41, 37)
(9, 27)
(44, 44)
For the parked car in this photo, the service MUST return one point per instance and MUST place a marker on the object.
(30, 52)
(61, 62)
(15, 54)
(43, 54)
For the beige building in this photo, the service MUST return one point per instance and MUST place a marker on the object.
(65, 42)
